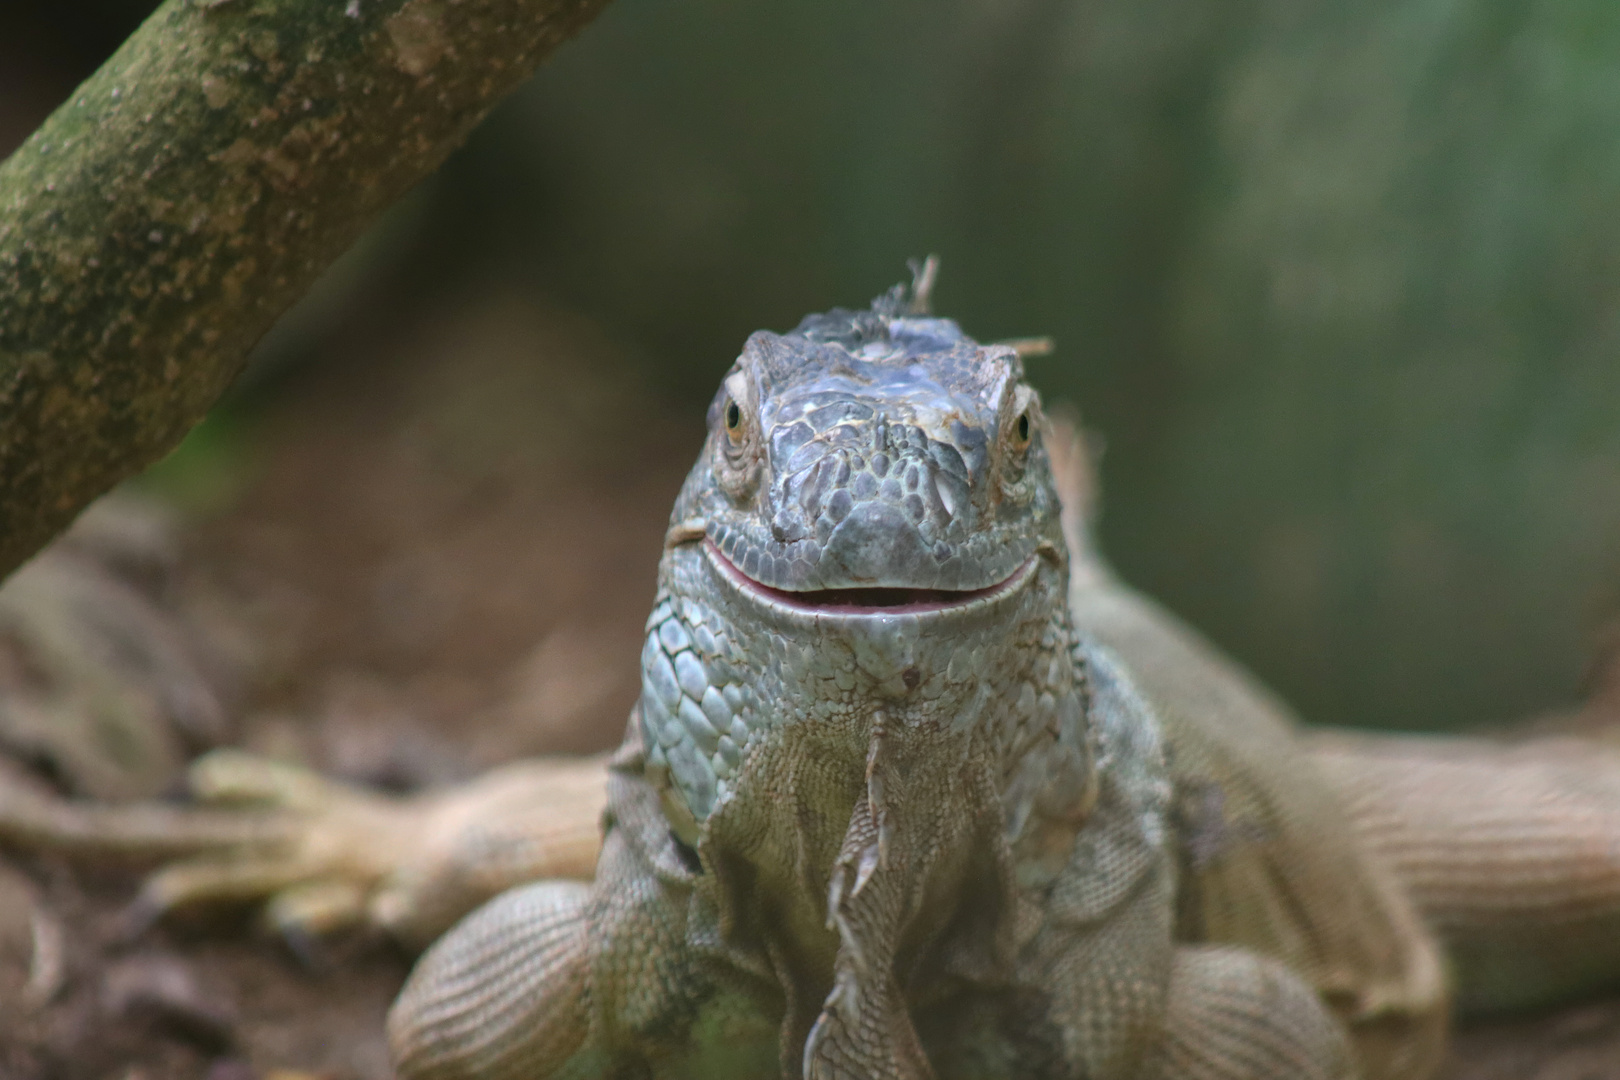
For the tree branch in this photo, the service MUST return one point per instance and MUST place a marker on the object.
(192, 189)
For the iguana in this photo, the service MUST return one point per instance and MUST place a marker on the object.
(917, 788)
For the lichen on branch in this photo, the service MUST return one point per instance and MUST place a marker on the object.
(191, 190)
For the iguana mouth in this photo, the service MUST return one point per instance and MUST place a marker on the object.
(880, 600)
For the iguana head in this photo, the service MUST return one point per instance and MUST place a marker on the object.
(869, 542)
(873, 460)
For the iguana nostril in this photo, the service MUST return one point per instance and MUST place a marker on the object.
(911, 677)
(787, 528)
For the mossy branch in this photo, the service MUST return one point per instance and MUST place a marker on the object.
(192, 189)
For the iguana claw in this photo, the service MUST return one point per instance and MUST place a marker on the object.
(324, 855)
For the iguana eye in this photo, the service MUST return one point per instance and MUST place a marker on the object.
(738, 456)
(1021, 420)
(1018, 432)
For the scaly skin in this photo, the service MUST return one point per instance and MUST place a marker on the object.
(987, 825)
(881, 811)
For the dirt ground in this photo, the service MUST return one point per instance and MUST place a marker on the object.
(428, 565)
(422, 566)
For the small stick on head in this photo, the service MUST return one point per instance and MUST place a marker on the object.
(923, 275)
(1027, 347)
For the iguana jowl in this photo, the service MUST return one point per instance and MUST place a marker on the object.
(888, 809)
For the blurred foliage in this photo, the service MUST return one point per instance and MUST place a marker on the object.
(210, 468)
(1337, 281)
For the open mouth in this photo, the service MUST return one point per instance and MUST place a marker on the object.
(865, 601)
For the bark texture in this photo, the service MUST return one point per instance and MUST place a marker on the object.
(159, 222)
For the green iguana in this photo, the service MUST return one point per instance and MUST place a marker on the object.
(916, 788)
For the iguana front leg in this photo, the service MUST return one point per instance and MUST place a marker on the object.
(556, 979)
(505, 995)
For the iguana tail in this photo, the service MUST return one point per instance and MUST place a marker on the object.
(1510, 851)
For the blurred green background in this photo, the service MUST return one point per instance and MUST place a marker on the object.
(1338, 282)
